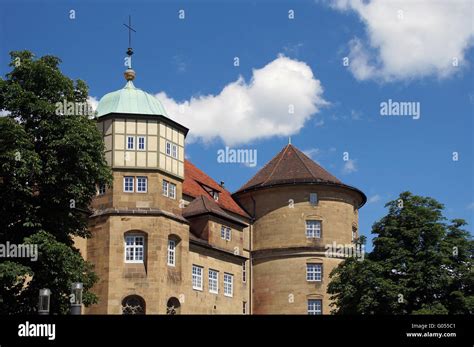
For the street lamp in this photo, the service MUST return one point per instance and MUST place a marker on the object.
(43, 307)
(76, 298)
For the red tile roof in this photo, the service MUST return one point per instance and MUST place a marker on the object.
(193, 185)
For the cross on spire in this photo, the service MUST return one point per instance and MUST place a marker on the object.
(130, 29)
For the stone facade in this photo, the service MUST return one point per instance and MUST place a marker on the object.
(281, 250)
(161, 253)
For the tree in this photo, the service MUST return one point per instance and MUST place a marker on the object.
(50, 165)
(419, 265)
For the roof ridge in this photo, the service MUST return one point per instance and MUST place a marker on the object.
(276, 165)
(206, 207)
(302, 162)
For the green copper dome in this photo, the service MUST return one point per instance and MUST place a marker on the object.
(130, 100)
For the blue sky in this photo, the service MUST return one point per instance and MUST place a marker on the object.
(194, 57)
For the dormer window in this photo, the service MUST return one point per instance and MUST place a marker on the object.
(212, 192)
(313, 199)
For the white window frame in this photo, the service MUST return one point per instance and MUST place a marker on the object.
(226, 233)
(313, 232)
(133, 142)
(213, 281)
(134, 247)
(314, 272)
(171, 190)
(171, 150)
(125, 184)
(197, 277)
(144, 143)
(146, 184)
(228, 285)
(174, 151)
(165, 188)
(171, 255)
(313, 307)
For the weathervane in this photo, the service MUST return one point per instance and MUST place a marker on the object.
(130, 29)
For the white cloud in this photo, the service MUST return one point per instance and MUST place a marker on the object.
(243, 112)
(373, 199)
(93, 102)
(409, 39)
(349, 166)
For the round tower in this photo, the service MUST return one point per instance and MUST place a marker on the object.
(304, 223)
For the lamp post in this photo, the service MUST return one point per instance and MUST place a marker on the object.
(76, 298)
(43, 306)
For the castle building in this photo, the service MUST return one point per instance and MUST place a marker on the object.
(168, 239)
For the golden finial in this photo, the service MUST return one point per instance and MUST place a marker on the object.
(129, 74)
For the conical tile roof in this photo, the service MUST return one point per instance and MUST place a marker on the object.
(291, 166)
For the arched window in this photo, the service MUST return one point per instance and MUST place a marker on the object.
(173, 306)
(133, 304)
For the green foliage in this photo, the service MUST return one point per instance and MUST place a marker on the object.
(50, 166)
(419, 265)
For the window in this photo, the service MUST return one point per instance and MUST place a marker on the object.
(101, 189)
(174, 151)
(215, 195)
(134, 248)
(141, 143)
(171, 252)
(314, 272)
(172, 191)
(354, 234)
(169, 189)
(244, 272)
(228, 284)
(244, 307)
(197, 277)
(315, 306)
(171, 150)
(226, 233)
(313, 229)
(141, 184)
(128, 184)
(313, 199)
(213, 281)
(130, 144)
(173, 306)
(133, 304)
